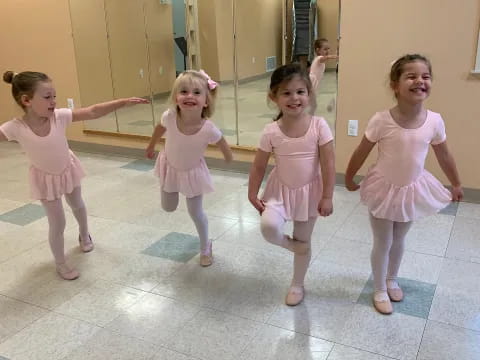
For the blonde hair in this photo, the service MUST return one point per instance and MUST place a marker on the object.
(197, 79)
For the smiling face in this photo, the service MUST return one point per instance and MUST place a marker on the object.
(33, 91)
(43, 101)
(191, 97)
(292, 97)
(190, 93)
(414, 84)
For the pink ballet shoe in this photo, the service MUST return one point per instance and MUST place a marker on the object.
(87, 245)
(295, 295)
(206, 259)
(395, 294)
(383, 306)
(66, 272)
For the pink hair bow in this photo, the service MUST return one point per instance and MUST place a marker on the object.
(211, 83)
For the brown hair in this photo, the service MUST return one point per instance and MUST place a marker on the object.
(24, 83)
(196, 78)
(397, 67)
(319, 43)
(286, 73)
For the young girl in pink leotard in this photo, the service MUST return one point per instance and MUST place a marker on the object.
(397, 189)
(296, 189)
(182, 168)
(55, 170)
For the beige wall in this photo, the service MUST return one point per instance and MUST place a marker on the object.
(40, 41)
(376, 32)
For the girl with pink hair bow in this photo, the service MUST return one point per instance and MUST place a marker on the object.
(181, 168)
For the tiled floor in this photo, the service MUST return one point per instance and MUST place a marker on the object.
(142, 294)
(253, 108)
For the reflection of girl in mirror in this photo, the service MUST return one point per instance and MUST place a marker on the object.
(182, 168)
(54, 171)
(317, 69)
(296, 189)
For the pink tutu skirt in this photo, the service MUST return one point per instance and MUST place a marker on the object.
(425, 196)
(45, 186)
(192, 182)
(297, 204)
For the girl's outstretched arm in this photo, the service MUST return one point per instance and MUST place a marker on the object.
(98, 110)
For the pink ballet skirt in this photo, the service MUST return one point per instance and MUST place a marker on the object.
(45, 186)
(191, 182)
(423, 197)
(293, 204)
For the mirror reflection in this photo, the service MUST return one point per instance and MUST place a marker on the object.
(137, 48)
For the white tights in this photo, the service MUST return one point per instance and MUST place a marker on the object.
(56, 221)
(272, 230)
(195, 210)
(388, 248)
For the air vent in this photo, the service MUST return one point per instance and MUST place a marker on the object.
(271, 63)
